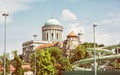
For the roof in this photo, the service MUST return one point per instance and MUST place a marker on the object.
(48, 45)
(53, 44)
(52, 21)
(72, 34)
(26, 66)
(12, 68)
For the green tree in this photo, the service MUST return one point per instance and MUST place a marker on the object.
(79, 53)
(65, 64)
(1, 60)
(43, 62)
(7, 63)
(17, 63)
(60, 62)
(56, 52)
(89, 45)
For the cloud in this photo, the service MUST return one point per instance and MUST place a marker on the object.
(109, 29)
(112, 19)
(111, 23)
(13, 6)
(107, 38)
(71, 22)
(67, 15)
(76, 28)
(103, 38)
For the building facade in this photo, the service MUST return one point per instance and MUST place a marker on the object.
(70, 43)
(52, 30)
(29, 47)
(51, 36)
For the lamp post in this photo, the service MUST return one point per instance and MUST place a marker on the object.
(95, 65)
(5, 15)
(35, 52)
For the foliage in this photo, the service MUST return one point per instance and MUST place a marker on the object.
(50, 61)
(1, 60)
(17, 63)
(7, 63)
(43, 63)
(65, 64)
(89, 45)
(79, 53)
(61, 63)
(55, 52)
(116, 64)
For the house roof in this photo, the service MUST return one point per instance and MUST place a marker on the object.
(58, 44)
(48, 45)
(26, 66)
(72, 34)
(12, 68)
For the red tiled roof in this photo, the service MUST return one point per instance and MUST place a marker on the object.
(48, 45)
(26, 66)
(12, 68)
(72, 34)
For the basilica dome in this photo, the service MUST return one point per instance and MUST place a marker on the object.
(52, 21)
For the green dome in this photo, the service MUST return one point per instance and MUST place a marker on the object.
(52, 21)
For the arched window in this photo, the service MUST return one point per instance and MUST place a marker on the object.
(52, 36)
(57, 36)
(47, 36)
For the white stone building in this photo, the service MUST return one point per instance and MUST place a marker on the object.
(51, 32)
(71, 43)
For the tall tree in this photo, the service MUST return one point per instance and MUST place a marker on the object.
(61, 63)
(79, 53)
(65, 64)
(17, 63)
(56, 52)
(7, 63)
(43, 63)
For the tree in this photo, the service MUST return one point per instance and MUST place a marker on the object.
(43, 63)
(61, 63)
(17, 63)
(56, 52)
(65, 64)
(79, 53)
(89, 45)
(7, 63)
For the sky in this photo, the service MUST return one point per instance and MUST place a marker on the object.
(26, 17)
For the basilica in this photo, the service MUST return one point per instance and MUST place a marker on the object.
(52, 37)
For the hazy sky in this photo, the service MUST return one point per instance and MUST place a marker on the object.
(26, 17)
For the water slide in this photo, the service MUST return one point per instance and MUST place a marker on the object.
(89, 60)
(99, 50)
(107, 56)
